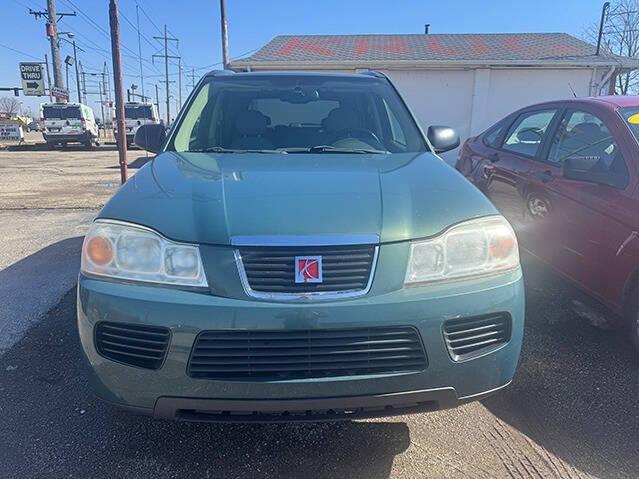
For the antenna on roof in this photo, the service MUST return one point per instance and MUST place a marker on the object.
(426, 28)
(571, 89)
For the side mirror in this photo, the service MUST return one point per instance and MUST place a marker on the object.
(529, 135)
(442, 138)
(580, 169)
(150, 137)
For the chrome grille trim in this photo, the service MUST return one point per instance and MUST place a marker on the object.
(299, 240)
(309, 241)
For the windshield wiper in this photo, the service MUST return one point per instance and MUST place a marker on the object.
(335, 149)
(220, 149)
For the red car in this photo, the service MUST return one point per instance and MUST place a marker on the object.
(566, 175)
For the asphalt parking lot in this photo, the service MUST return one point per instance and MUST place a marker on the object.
(571, 412)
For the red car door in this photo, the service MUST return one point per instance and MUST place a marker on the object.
(593, 222)
(506, 170)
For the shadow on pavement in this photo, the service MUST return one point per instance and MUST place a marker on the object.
(139, 162)
(576, 392)
(33, 285)
(54, 427)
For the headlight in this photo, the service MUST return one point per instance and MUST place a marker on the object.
(135, 253)
(473, 248)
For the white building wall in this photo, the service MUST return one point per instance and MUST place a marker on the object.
(511, 89)
(438, 97)
(472, 100)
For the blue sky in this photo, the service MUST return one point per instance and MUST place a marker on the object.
(252, 23)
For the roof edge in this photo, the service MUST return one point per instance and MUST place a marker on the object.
(423, 64)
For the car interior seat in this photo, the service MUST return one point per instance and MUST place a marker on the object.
(251, 127)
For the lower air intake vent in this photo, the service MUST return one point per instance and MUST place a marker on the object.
(280, 355)
(132, 344)
(470, 337)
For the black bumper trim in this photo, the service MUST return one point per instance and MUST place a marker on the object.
(67, 138)
(304, 410)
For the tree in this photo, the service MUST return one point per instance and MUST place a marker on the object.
(620, 37)
(9, 106)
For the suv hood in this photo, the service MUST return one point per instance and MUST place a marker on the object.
(210, 198)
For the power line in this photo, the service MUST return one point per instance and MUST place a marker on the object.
(149, 18)
(22, 4)
(207, 67)
(88, 19)
(166, 39)
(85, 17)
(21, 53)
(96, 48)
(136, 29)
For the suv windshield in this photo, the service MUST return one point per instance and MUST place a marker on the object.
(61, 112)
(297, 114)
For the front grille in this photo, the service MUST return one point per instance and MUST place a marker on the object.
(470, 337)
(132, 344)
(272, 269)
(279, 355)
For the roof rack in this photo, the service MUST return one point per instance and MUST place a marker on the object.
(373, 73)
(215, 73)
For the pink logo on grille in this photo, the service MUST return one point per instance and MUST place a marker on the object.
(308, 269)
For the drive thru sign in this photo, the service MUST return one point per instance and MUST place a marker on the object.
(32, 81)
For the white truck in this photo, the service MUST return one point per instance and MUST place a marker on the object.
(135, 115)
(64, 123)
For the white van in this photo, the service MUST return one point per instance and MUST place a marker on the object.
(64, 123)
(135, 115)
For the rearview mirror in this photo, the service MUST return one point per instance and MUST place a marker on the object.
(150, 137)
(442, 138)
(580, 169)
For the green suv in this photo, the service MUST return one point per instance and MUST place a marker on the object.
(298, 252)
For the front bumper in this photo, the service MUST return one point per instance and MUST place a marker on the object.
(64, 137)
(169, 392)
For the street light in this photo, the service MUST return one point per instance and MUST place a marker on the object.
(75, 60)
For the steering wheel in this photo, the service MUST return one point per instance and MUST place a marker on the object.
(359, 134)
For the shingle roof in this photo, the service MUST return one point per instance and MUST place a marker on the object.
(367, 50)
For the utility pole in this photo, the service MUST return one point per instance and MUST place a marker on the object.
(101, 87)
(192, 78)
(106, 87)
(84, 81)
(157, 99)
(108, 80)
(137, 17)
(180, 83)
(66, 71)
(52, 29)
(225, 34)
(46, 64)
(75, 62)
(114, 23)
(77, 75)
(604, 10)
(167, 82)
(52, 32)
